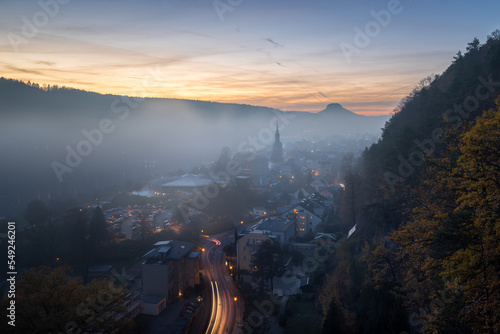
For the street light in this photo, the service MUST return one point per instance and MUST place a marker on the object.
(235, 298)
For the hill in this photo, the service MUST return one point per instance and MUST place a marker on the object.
(425, 200)
(131, 138)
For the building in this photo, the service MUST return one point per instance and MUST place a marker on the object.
(183, 187)
(273, 228)
(153, 304)
(251, 164)
(168, 270)
(289, 169)
(321, 168)
(324, 240)
(247, 247)
(279, 229)
(259, 212)
(132, 303)
(309, 213)
(259, 167)
(276, 159)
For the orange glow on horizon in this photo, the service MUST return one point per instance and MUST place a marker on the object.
(256, 97)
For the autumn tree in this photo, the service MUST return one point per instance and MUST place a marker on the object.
(48, 301)
(445, 258)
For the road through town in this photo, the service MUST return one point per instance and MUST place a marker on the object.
(226, 311)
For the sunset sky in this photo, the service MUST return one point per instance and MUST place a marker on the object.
(282, 54)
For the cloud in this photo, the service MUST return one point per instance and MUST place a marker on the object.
(274, 43)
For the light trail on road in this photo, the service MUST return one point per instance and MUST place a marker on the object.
(226, 311)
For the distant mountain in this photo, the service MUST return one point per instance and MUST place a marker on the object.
(21, 101)
(335, 119)
(120, 138)
(335, 109)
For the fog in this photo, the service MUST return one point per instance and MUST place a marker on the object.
(65, 143)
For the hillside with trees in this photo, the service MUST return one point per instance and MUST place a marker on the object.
(425, 257)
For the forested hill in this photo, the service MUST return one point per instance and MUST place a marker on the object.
(426, 200)
(42, 127)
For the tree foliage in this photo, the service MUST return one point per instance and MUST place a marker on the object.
(269, 260)
(48, 301)
(426, 252)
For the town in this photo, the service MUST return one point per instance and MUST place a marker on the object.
(202, 237)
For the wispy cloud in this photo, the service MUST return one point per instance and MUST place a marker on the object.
(274, 43)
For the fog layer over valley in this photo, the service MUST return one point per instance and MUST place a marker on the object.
(58, 143)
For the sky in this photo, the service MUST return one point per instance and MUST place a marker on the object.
(290, 55)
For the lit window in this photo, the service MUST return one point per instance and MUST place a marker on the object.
(302, 230)
(302, 217)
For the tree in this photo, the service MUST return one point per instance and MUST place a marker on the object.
(36, 212)
(221, 163)
(473, 46)
(351, 199)
(48, 301)
(458, 56)
(269, 261)
(450, 248)
(77, 236)
(43, 237)
(98, 233)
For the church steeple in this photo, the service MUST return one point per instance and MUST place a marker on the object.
(277, 153)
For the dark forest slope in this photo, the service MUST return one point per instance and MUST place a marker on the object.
(426, 200)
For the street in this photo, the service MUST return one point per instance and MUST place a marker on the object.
(226, 311)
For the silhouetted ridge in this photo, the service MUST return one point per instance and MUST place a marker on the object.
(337, 109)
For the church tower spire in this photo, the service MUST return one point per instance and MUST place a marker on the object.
(277, 154)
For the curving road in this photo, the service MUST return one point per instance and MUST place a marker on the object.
(226, 312)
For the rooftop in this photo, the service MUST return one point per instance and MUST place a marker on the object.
(165, 251)
(151, 299)
(184, 181)
(274, 224)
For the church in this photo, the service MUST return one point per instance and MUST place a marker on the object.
(276, 159)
